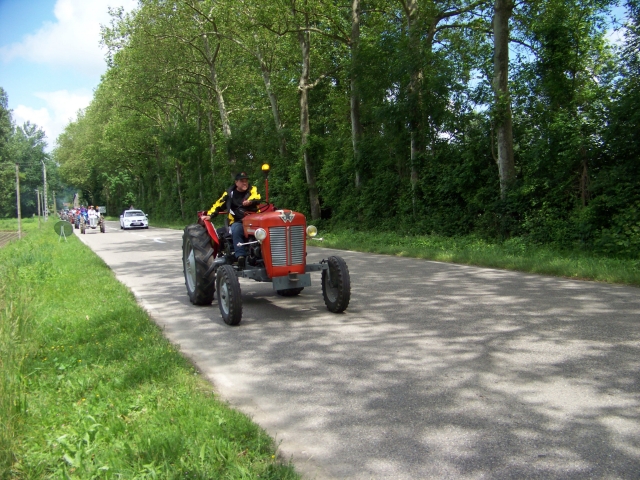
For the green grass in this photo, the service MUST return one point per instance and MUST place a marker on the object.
(513, 254)
(91, 388)
(28, 224)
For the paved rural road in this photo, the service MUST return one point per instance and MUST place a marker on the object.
(434, 371)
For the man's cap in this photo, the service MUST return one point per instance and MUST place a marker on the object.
(241, 176)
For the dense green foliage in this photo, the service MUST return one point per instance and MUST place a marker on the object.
(23, 145)
(512, 254)
(90, 388)
(197, 90)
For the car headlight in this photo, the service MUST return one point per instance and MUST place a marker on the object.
(312, 231)
(260, 234)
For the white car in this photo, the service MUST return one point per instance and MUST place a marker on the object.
(133, 219)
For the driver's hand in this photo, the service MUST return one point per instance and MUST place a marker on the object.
(247, 203)
(206, 217)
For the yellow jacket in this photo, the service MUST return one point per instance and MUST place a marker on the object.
(232, 200)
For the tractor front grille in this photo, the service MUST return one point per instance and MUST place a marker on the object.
(287, 245)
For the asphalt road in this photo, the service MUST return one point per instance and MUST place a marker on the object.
(434, 371)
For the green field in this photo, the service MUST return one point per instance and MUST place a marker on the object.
(90, 388)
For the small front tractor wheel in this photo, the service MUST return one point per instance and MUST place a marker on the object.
(229, 295)
(82, 228)
(102, 227)
(197, 263)
(336, 285)
(290, 292)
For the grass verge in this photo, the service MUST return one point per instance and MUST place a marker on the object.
(91, 388)
(513, 254)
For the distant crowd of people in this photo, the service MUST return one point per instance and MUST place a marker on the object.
(87, 213)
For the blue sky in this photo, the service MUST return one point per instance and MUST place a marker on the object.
(50, 58)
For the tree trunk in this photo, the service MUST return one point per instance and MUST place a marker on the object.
(506, 164)
(179, 190)
(584, 178)
(303, 86)
(200, 182)
(198, 158)
(213, 75)
(273, 99)
(356, 126)
(212, 144)
(415, 88)
(159, 176)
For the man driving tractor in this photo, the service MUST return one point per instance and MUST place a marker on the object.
(237, 201)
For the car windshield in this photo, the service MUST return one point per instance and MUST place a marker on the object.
(133, 213)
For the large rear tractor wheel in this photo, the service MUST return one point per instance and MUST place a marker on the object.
(336, 285)
(229, 295)
(197, 263)
(102, 227)
(290, 292)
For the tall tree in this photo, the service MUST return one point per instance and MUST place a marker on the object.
(503, 120)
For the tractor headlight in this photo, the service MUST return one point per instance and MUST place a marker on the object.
(260, 234)
(312, 231)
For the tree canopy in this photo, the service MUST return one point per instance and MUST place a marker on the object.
(495, 118)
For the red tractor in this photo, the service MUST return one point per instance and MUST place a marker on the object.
(277, 246)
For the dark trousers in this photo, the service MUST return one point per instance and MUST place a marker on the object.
(237, 233)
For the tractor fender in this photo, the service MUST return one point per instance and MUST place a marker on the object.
(212, 233)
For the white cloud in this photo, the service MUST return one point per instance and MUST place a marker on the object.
(616, 37)
(62, 108)
(23, 114)
(73, 40)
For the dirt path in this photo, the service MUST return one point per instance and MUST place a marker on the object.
(6, 237)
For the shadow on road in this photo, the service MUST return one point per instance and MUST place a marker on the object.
(435, 370)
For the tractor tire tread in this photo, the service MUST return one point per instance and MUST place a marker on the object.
(227, 274)
(342, 281)
(203, 251)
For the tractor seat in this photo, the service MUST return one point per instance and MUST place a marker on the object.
(224, 236)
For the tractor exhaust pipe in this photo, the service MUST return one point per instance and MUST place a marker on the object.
(265, 172)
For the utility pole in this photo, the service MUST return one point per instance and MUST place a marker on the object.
(45, 210)
(38, 198)
(18, 200)
(55, 207)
